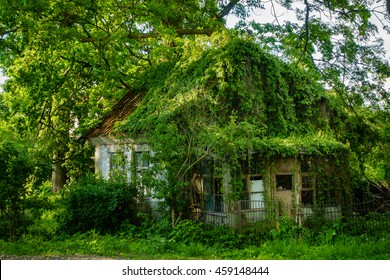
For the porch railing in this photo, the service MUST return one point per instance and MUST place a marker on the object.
(241, 214)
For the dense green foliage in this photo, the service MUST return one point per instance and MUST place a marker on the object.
(363, 237)
(68, 62)
(191, 240)
(225, 98)
(15, 169)
(97, 204)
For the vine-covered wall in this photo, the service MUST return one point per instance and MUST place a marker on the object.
(224, 98)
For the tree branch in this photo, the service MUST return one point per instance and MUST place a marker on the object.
(226, 10)
(124, 84)
(388, 6)
(306, 31)
(180, 32)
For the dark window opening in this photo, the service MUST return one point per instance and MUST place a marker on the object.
(218, 195)
(284, 182)
(244, 163)
(214, 196)
(307, 191)
(245, 192)
(305, 164)
(307, 197)
(256, 164)
(212, 186)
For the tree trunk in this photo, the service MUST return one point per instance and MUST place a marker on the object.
(59, 176)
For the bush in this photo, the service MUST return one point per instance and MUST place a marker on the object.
(41, 212)
(46, 226)
(285, 228)
(97, 204)
(15, 168)
(188, 231)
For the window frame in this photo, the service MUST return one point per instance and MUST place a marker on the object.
(311, 189)
(247, 203)
(117, 167)
(279, 187)
(252, 169)
(212, 187)
(139, 162)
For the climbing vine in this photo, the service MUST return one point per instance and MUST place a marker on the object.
(224, 97)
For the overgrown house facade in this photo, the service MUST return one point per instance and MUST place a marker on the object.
(280, 172)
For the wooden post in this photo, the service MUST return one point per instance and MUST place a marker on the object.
(239, 217)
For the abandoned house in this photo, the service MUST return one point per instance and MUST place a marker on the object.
(289, 169)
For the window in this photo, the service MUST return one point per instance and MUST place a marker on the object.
(306, 164)
(212, 185)
(256, 164)
(214, 197)
(141, 162)
(284, 182)
(252, 196)
(307, 190)
(253, 193)
(257, 188)
(140, 165)
(252, 164)
(117, 161)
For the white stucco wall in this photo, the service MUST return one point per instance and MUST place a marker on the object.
(105, 147)
(103, 155)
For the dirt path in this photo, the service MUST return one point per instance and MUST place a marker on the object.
(61, 257)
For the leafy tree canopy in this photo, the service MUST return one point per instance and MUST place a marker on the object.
(68, 62)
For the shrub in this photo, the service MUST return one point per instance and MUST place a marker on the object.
(97, 204)
(15, 168)
(285, 228)
(188, 231)
(45, 226)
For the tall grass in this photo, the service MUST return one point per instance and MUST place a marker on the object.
(92, 244)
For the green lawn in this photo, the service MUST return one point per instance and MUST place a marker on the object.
(92, 245)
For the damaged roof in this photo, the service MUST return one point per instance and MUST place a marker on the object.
(119, 112)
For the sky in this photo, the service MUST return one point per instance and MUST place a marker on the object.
(2, 78)
(264, 16)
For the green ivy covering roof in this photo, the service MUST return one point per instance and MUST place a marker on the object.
(227, 95)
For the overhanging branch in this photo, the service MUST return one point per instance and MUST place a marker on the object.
(388, 6)
(307, 30)
(226, 10)
(179, 32)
